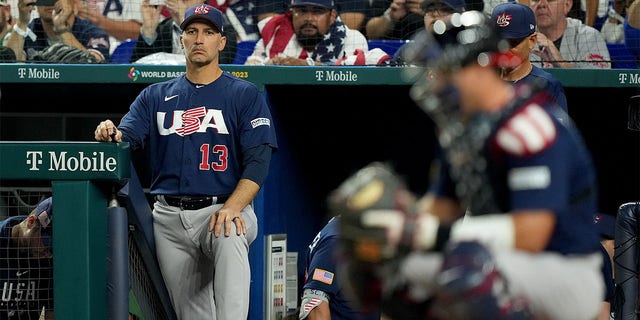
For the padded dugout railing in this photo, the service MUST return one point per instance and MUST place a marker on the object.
(82, 177)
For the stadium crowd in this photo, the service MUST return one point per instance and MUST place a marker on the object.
(570, 34)
(545, 33)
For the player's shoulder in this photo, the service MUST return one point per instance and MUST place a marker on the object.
(236, 80)
(538, 72)
(163, 86)
(529, 130)
(234, 83)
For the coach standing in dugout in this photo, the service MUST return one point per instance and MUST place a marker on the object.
(210, 137)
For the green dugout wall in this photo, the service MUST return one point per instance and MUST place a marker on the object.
(338, 118)
(81, 176)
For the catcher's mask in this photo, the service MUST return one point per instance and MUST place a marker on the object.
(457, 41)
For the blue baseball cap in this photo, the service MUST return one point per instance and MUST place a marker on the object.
(456, 5)
(44, 213)
(514, 20)
(606, 225)
(315, 3)
(203, 12)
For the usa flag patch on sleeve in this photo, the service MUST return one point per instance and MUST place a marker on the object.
(322, 276)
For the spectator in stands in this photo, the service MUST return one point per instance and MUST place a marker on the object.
(517, 23)
(399, 21)
(353, 13)
(612, 25)
(565, 42)
(632, 29)
(6, 53)
(433, 10)
(120, 19)
(489, 5)
(26, 263)
(162, 36)
(56, 24)
(158, 44)
(243, 16)
(268, 9)
(6, 20)
(310, 33)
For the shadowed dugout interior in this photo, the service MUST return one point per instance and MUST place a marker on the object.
(327, 132)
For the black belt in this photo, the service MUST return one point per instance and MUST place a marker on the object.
(193, 203)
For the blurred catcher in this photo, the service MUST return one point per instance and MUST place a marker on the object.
(515, 194)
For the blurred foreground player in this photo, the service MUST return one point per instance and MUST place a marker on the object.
(323, 296)
(515, 195)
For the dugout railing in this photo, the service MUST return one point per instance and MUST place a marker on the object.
(82, 178)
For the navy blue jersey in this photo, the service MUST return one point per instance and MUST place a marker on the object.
(192, 132)
(321, 271)
(26, 283)
(534, 161)
(553, 85)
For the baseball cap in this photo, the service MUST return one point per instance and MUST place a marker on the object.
(45, 3)
(203, 12)
(315, 3)
(456, 5)
(514, 20)
(44, 213)
(606, 225)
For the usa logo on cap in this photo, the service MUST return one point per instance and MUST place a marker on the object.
(202, 9)
(503, 20)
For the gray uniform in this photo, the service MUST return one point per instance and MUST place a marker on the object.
(182, 236)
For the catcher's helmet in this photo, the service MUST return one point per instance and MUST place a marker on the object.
(461, 39)
(458, 40)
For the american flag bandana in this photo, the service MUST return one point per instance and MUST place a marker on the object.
(279, 31)
(329, 50)
(322, 276)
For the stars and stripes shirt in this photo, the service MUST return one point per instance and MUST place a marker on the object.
(278, 37)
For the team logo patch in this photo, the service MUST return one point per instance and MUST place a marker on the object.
(202, 9)
(503, 20)
(529, 178)
(260, 122)
(322, 276)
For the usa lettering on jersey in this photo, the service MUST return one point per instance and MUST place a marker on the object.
(19, 295)
(186, 122)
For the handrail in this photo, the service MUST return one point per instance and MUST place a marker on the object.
(267, 75)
